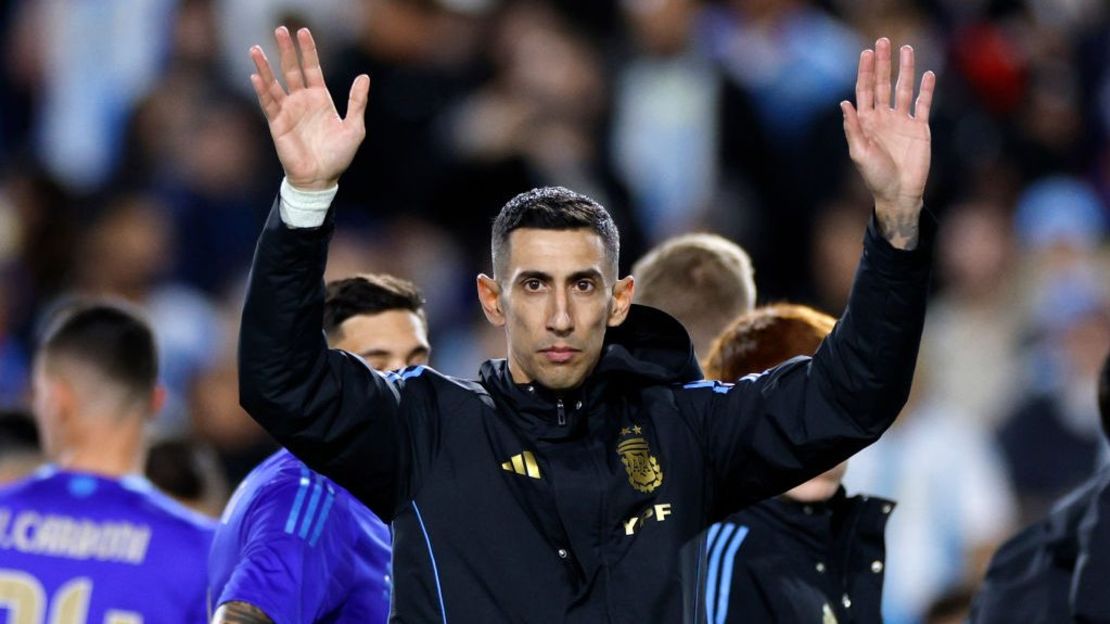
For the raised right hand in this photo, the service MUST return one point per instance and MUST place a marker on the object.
(314, 144)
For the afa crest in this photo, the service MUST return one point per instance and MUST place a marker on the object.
(643, 469)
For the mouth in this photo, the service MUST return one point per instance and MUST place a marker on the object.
(559, 355)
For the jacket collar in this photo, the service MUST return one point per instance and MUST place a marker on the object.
(649, 348)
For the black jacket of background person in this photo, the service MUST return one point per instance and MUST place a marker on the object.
(799, 563)
(1057, 570)
(509, 504)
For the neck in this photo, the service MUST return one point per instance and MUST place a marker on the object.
(110, 452)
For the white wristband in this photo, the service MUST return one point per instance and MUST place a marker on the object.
(304, 209)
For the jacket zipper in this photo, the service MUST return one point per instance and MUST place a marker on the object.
(562, 413)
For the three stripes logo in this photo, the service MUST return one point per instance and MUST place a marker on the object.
(320, 495)
(523, 464)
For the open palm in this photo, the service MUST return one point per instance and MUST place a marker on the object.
(314, 144)
(891, 146)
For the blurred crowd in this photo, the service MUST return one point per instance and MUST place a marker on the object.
(134, 162)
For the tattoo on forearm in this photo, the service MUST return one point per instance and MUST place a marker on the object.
(900, 229)
(240, 613)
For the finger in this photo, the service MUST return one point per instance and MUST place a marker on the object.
(882, 73)
(865, 81)
(265, 100)
(356, 103)
(310, 59)
(903, 92)
(290, 68)
(266, 76)
(925, 97)
(852, 131)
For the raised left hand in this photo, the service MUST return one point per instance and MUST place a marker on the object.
(891, 146)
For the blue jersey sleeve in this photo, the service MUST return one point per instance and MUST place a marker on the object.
(291, 548)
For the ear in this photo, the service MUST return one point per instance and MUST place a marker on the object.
(489, 294)
(623, 291)
(157, 401)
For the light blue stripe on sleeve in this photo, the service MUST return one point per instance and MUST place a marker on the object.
(432, 556)
(713, 577)
(726, 573)
(323, 517)
(309, 514)
(291, 521)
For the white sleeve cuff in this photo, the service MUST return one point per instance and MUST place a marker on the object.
(304, 209)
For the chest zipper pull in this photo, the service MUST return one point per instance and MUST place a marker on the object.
(562, 412)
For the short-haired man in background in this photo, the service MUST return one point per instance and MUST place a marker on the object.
(703, 280)
(292, 545)
(814, 553)
(86, 536)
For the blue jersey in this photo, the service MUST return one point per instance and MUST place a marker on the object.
(300, 548)
(77, 548)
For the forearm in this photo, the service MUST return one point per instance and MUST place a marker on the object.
(866, 364)
(280, 338)
(240, 613)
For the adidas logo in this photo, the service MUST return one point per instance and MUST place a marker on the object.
(523, 464)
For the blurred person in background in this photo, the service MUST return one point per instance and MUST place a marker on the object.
(538, 121)
(1051, 437)
(190, 473)
(1056, 569)
(88, 64)
(665, 126)
(334, 566)
(703, 280)
(976, 321)
(87, 534)
(20, 451)
(955, 501)
(812, 553)
(127, 252)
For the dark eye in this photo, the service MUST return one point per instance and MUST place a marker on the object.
(584, 285)
(532, 285)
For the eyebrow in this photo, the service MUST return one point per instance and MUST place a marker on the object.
(590, 273)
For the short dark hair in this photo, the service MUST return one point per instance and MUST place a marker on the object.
(111, 336)
(368, 294)
(553, 208)
(1104, 395)
(18, 433)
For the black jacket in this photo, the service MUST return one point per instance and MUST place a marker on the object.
(1056, 570)
(797, 563)
(511, 504)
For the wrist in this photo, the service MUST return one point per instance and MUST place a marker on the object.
(313, 185)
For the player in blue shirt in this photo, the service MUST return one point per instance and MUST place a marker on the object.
(293, 546)
(86, 539)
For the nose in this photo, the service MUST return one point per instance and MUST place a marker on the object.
(560, 320)
(396, 363)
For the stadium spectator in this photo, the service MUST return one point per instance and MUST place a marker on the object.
(87, 534)
(334, 567)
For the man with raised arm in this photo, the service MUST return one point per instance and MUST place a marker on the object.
(561, 485)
